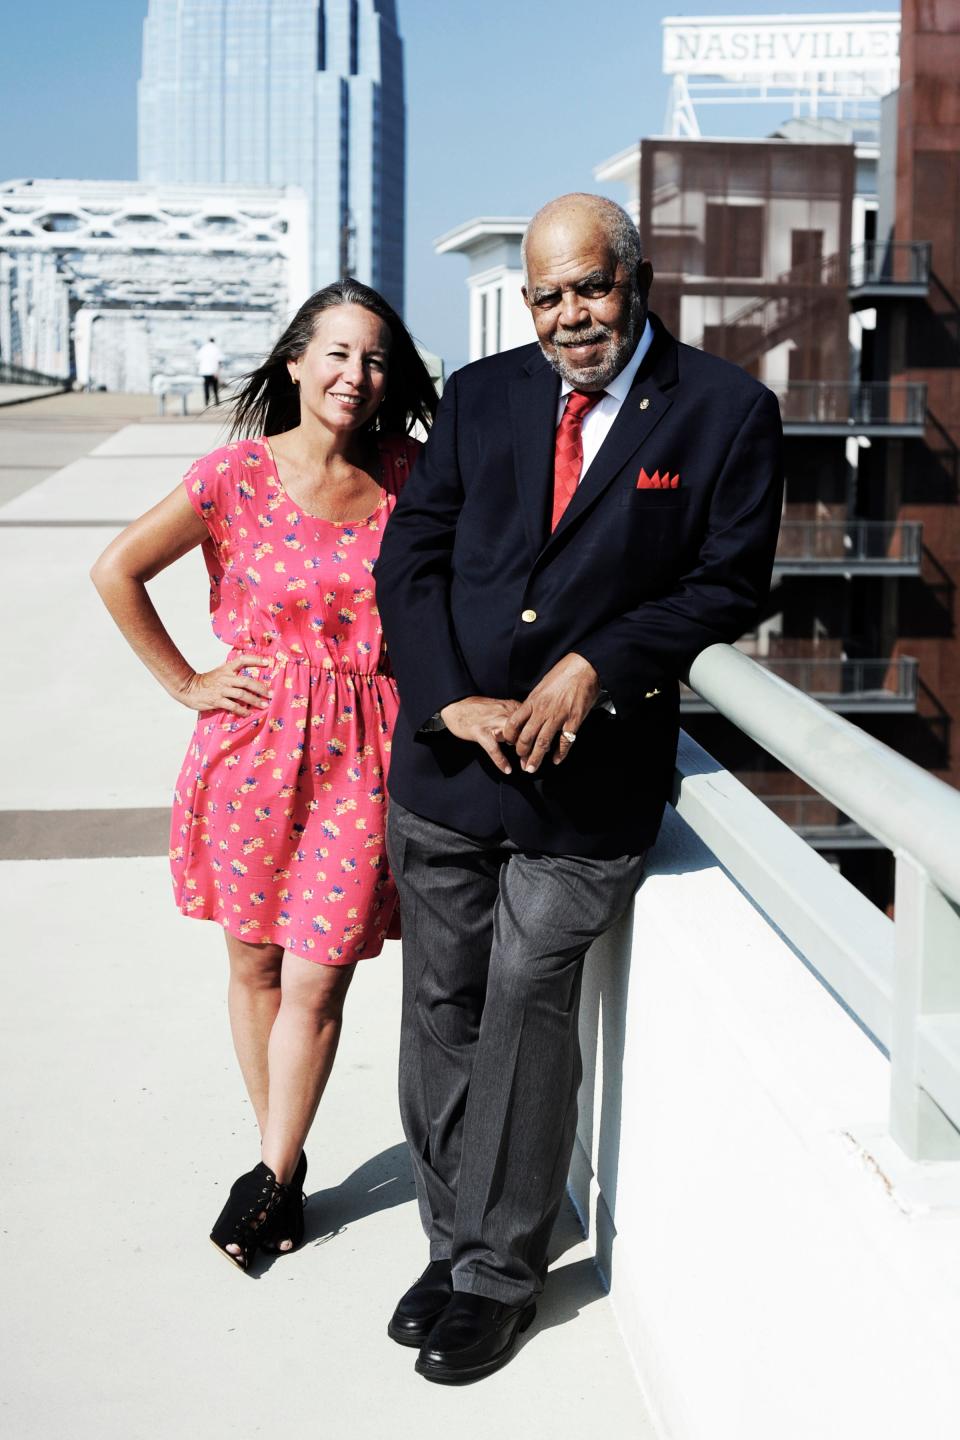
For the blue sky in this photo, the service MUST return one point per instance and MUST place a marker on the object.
(509, 102)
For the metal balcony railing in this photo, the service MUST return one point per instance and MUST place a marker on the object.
(820, 822)
(905, 994)
(882, 686)
(791, 298)
(863, 547)
(837, 407)
(902, 268)
(20, 375)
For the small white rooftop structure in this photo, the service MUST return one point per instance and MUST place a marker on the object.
(498, 316)
(480, 232)
(624, 169)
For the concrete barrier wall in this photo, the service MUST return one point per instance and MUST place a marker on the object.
(777, 1271)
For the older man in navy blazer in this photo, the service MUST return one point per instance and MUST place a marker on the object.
(589, 513)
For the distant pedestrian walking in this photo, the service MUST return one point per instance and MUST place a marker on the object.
(209, 361)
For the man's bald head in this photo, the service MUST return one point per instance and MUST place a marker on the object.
(572, 218)
(586, 286)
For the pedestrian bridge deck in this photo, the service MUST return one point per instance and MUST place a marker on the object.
(122, 1109)
(777, 1268)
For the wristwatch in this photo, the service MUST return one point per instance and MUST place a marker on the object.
(436, 722)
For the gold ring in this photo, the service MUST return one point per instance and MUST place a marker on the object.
(569, 736)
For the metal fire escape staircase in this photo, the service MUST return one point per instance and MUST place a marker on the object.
(796, 301)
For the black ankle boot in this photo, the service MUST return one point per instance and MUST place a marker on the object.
(286, 1222)
(246, 1218)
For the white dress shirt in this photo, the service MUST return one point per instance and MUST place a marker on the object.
(596, 425)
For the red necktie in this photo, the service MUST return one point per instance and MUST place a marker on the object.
(568, 452)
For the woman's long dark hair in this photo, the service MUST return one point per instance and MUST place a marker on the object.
(268, 402)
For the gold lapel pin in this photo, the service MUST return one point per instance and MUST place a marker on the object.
(644, 403)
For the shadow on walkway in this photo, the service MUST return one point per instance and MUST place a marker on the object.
(386, 1180)
(378, 1184)
(568, 1291)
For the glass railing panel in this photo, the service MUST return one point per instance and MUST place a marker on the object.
(879, 263)
(849, 542)
(836, 402)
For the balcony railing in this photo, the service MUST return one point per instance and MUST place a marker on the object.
(864, 547)
(910, 1000)
(902, 268)
(790, 299)
(836, 407)
(821, 823)
(883, 686)
(20, 375)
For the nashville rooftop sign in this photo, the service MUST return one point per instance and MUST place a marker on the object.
(737, 44)
(836, 64)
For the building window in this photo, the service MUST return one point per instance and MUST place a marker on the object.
(734, 240)
(321, 38)
(806, 252)
(484, 308)
(498, 323)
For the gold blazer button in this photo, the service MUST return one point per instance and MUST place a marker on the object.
(650, 694)
(529, 616)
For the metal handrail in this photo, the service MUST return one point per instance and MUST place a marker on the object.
(821, 271)
(916, 1008)
(818, 821)
(877, 262)
(850, 540)
(20, 375)
(803, 811)
(811, 275)
(842, 402)
(840, 683)
(831, 677)
(888, 795)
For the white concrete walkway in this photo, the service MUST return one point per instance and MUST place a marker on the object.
(123, 1115)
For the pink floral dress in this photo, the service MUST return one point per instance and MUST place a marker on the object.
(278, 818)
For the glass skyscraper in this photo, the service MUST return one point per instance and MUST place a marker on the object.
(286, 92)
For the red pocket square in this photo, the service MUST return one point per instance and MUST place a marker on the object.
(656, 481)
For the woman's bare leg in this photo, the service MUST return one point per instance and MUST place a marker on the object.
(253, 1000)
(303, 1043)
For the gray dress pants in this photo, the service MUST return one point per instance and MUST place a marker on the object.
(493, 947)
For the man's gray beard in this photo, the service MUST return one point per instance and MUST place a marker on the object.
(596, 377)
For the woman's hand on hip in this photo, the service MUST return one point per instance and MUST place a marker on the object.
(225, 688)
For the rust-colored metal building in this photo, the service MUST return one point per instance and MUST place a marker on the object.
(919, 343)
(847, 305)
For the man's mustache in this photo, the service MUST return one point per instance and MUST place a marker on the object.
(581, 337)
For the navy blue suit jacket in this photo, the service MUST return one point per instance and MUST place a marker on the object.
(636, 580)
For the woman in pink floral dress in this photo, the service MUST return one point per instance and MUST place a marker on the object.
(279, 811)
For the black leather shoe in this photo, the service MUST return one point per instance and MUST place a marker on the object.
(422, 1305)
(473, 1337)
